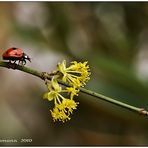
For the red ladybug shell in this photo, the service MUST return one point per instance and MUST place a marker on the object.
(13, 54)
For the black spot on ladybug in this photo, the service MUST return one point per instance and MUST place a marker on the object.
(13, 48)
(16, 53)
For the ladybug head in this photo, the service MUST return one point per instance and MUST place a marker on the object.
(27, 57)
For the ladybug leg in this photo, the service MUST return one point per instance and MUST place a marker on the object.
(9, 64)
(12, 64)
(19, 62)
(24, 62)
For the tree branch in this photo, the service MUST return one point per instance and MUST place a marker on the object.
(44, 75)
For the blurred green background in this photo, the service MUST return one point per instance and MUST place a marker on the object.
(112, 37)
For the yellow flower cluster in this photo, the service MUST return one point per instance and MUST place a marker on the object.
(76, 75)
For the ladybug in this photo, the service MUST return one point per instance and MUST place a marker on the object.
(15, 54)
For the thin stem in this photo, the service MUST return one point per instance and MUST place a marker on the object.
(108, 99)
(44, 75)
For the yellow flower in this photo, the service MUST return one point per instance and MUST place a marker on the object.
(59, 115)
(54, 89)
(63, 110)
(76, 74)
(72, 91)
(70, 105)
(62, 107)
(84, 70)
